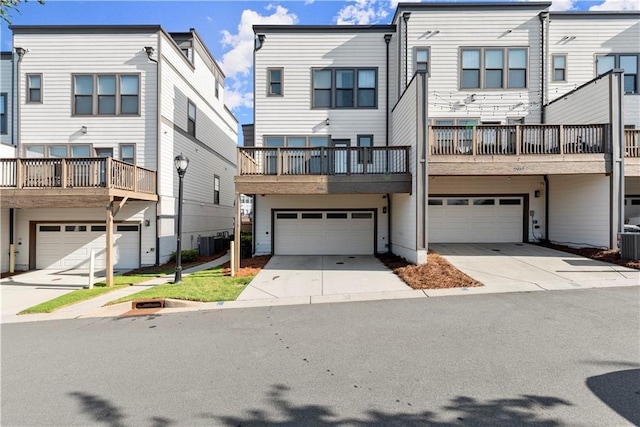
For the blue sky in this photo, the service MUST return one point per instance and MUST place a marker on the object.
(225, 25)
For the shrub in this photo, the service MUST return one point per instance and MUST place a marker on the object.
(246, 246)
(188, 255)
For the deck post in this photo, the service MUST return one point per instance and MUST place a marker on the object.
(236, 234)
(109, 248)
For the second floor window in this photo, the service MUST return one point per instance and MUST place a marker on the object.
(629, 63)
(34, 87)
(216, 189)
(493, 68)
(344, 88)
(422, 59)
(106, 94)
(191, 118)
(128, 153)
(3, 113)
(275, 81)
(559, 68)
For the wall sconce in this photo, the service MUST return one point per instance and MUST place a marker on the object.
(327, 122)
(536, 193)
(147, 223)
(83, 129)
(149, 50)
(20, 51)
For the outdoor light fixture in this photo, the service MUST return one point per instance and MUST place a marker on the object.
(327, 122)
(182, 163)
(20, 51)
(149, 50)
(83, 129)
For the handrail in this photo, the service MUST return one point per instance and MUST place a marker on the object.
(86, 172)
(518, 139)
(323, 160)
(632, 142)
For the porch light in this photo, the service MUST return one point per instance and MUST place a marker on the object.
(182, 163)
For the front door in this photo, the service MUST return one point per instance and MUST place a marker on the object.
(341, 156)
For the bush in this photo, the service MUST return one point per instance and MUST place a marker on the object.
(190, 255)
(246, 246)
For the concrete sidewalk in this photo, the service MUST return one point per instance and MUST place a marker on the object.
(94, 307)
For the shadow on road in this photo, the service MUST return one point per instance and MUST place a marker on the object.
(621, 391)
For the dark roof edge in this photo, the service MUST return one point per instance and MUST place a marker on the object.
(408, 7)
(7, 53)
(317, 28)
(596, 13)
(83, 28)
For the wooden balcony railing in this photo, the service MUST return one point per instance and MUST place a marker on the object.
(482, 140)
(632, 142)
(323, 160)
(76, 173)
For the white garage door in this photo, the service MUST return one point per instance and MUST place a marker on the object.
(324, 233)
(632, 209)
(475, 219)
(63, 246)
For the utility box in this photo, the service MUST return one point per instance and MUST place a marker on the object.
(630, 246)
(205, 246)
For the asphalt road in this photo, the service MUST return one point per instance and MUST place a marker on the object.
(541, 358)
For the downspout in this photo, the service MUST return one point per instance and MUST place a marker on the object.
(12, 248)
(405, 17)
(158, 133)
(258, 42)
(20, 51)
(387, 40)
(543, 53)
(546, 209)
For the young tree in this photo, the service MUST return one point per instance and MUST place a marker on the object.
(7, 6)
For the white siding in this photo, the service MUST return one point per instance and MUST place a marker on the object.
(403, 215)
(57, 57)
(132, 211)
(298, 53)
(579, 210)
(583, 37)
(497, 185)
(444, 32)
(264, 205)
(6, 86)
(591, 104)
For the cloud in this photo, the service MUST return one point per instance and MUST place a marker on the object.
(562, 5)
(394, 3)
(617, 5)
(238, 60)
(361, 12)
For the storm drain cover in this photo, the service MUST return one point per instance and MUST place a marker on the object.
(340, 262)
(495, 250)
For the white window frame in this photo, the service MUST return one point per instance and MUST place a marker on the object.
(216, 190)
(506, 69)
(118, 96)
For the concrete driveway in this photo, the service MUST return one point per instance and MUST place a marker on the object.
(34, 287)
(524, 267)
(304, 276)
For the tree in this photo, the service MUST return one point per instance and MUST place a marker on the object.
(8, 5)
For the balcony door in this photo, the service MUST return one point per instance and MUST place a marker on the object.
(103, 152)
(341, 156)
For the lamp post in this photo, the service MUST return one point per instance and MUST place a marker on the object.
(182, 163)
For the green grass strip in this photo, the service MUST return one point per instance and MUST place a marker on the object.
(80, 295)
(205, 286)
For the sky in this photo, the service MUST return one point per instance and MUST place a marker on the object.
(226, 25)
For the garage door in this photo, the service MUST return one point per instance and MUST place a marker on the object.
(475, 219)
(632, 209)
(62, 246)
(324, 233)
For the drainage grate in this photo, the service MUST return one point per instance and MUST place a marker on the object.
(351, 257)
(145, 304)
(339, 262)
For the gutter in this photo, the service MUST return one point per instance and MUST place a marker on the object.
(543, 64)
(387, 40)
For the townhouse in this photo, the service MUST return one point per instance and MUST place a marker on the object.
(100, 114)
(458, 122)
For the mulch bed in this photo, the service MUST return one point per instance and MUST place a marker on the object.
(437, 273)
(248, 266)
(607, 255)
(172, 264)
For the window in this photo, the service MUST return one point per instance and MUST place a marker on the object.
(191, 118)
(34, 87)
(217, 89)
(559, 68)
(312, 215)
(493, 68)
(296, 141)
(3, 113)
(364, 153)
(57, 150)
(338, 215)
(216, 189)
(628, 62)
(106, 94)
(80, 151)
(129, 91)
(345, 88)
(422, 59)
(275, 81)
(128, 153)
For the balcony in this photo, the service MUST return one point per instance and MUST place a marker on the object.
(632, 152)
(519, 149)
(72, 182)
(323, 170)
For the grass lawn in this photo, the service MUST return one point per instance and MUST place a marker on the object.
(206, 286)
(74, 297)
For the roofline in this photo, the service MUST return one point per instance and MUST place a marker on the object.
(233, 116)
(82, 28)
(197, 35)
(317, 28)
(596, 13)
(408, 7)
